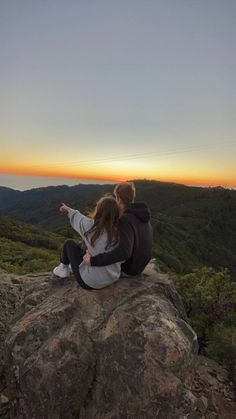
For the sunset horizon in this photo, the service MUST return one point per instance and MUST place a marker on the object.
(103, 179)
(124, 91)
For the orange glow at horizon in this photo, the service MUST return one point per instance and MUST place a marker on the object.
(109, 99)
(101, 174)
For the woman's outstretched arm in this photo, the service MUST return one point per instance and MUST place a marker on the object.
(79, 222)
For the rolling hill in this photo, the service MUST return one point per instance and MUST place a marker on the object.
(26, 248)
(193, 226)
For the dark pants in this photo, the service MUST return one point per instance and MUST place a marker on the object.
(73, 254)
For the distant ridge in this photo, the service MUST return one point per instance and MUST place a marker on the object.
(8, 197)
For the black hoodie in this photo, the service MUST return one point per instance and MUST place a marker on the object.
(135, 246)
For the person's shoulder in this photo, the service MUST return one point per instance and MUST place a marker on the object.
(124, 221)
(138, 212)
(127, 222)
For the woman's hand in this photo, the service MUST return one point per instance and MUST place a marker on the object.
(64, 209)
(86, 258)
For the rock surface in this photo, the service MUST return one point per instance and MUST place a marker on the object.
(123, 352)
(213, 390)
(12, 290)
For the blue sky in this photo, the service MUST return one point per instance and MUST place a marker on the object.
(116, 90)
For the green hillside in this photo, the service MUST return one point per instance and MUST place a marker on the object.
(25, 248)
(193, 226)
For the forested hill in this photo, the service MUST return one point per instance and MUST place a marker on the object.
(192, 226)
(39, 206)
(8, 197)
(26, 248)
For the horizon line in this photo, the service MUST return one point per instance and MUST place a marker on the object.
(191, 183)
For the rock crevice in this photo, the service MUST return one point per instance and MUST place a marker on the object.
(122, 352)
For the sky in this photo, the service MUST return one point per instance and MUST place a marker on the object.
(111, 90)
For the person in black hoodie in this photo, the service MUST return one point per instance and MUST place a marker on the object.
(136, 239)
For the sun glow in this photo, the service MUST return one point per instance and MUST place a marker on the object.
(122, 170)
(105, 99)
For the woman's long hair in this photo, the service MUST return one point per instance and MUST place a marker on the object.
(106, 216)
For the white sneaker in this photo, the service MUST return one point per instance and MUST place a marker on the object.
(62, 271)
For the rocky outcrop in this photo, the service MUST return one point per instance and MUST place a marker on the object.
(122, 352)
(213, 393)
(11, 294)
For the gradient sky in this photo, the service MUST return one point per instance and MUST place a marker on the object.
(117, 90)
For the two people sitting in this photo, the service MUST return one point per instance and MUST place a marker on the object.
(118, 238)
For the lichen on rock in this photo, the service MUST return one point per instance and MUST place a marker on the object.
(122, 352)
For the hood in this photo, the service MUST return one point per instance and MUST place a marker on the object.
(139, 210)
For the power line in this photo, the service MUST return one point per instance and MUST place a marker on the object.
(133, 156)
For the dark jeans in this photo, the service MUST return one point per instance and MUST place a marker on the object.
(72, 254)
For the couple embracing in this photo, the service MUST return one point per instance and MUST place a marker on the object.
(117, 236)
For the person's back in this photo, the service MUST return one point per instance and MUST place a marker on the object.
(95, 277)
(135, 246)
(138, 217)
(100, 233)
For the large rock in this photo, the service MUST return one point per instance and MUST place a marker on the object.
(214, 392)
(12, 291)
(122, 352)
